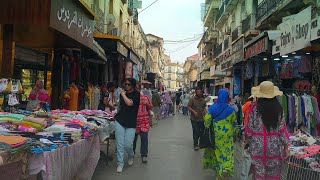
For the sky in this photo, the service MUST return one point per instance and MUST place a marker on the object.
(174, 20)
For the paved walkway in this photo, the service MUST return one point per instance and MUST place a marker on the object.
(171, 156)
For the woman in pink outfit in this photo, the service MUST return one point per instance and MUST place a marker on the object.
(39, 93)
(266, 132)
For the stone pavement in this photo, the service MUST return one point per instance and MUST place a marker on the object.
(171, 156)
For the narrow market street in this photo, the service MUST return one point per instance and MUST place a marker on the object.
(171, 156)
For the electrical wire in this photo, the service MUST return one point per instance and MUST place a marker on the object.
(184, 40)
(129, 19)
(181, 47)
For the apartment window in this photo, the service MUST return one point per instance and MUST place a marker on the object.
(110, 6)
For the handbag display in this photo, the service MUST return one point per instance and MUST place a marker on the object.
(207, 139)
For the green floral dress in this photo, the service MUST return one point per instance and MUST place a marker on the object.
(221, 159)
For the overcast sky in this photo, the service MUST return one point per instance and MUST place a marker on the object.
(174, 20)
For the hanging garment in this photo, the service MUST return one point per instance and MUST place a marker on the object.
(265, 69)
(74, 70)
(90, 92)
(81, 98)
(3, 84)
(66, 74)
(74, 95)
(316, 72)
(296, 65)
(249, 70)
(96, 98)
(305, 64)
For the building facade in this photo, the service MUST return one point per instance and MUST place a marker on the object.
(238, 39)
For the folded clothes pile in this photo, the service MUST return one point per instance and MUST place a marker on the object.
(12, 118)
(14, 144)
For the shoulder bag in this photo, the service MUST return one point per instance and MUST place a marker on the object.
(207, 139)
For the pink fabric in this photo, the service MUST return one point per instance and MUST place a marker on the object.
(143, 117)
(42, 96)
(265, 147)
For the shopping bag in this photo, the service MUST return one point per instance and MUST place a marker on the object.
(207, 139)
(245, 165)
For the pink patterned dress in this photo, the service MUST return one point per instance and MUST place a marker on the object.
(265, 147)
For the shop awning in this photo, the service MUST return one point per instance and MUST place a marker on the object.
(112, 44)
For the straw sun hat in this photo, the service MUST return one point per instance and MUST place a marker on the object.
(266, 90)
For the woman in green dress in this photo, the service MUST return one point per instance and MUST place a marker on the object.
(221, 158)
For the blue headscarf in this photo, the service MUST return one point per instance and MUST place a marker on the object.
(221, 105)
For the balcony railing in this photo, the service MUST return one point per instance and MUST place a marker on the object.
(218, 51)
(246, 24)
(235, 33)
(99, 25)
(266, 8)
(226, 43)
(220, 13)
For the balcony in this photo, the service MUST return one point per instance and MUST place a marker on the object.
(246, 24)
(217, 51)
(220, 13)
(266, 8)
(135, 17)
(208, 11)
(99, 25)
(236, 33)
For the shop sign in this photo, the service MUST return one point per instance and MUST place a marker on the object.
(256, 49)
(134, 57)
(129, 70)
(276, 46)
(296, 32)
(67, 17)
(237, 51)
(315, 28)
(205, 75)
(122, 49)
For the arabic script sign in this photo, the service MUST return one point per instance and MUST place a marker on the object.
(67, 17)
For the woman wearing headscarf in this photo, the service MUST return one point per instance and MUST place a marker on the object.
(166, 102)
(223, 117)
(266, 132)
(39, 94)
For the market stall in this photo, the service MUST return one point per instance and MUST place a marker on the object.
(46, 142)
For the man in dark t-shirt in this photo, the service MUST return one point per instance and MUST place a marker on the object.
(126, 121)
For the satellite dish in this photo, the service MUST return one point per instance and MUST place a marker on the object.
(111, 19)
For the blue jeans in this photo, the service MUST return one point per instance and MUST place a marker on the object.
(185, 110)
(124, 139)
(144, 144)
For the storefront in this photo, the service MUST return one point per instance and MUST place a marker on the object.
(257, 54)
(238, 68)
(34, 33)
(293, 54)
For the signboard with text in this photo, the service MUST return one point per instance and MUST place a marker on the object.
(257, 48)
(67, 17)
(237, 51)
(295, 32)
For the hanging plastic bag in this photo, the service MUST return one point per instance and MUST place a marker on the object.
(13, 100)
(245, 165)
(3, 85)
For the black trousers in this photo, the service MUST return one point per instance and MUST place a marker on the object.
(197, 128)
